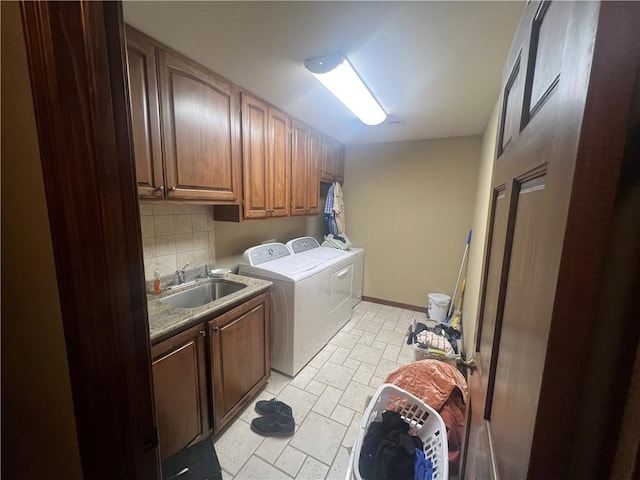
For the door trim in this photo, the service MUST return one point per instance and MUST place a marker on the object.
(76, 56)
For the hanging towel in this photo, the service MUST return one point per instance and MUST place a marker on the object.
(338, 208)
(330, 225)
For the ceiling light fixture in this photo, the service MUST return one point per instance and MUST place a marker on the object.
(337, 74)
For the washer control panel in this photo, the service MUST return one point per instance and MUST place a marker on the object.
(302, 244)
(265, 253)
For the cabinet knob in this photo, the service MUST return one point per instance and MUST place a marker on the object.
(202, 333)
(215, 329)
(160, 188)
(172, 189)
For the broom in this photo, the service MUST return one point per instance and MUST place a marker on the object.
(455, 291)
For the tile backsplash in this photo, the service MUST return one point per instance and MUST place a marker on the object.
(173, 235)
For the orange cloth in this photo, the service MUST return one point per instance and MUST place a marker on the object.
(443, 388)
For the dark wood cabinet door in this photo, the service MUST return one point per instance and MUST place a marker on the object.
(299, 169)
(201, 131)
(332, 164)
(180, 390)
(145, 117)
(279, 163)
(240, 357)
(254, 157)
(313, 173)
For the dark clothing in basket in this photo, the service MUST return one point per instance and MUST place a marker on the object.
(388, 450)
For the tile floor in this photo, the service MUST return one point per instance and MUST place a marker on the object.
(327, 397)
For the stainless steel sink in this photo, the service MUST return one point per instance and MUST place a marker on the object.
(202, 294)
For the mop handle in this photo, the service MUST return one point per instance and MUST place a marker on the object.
(464, 257)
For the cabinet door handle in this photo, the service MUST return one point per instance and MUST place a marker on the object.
(215, 329)
(202, 333)
(160, 188)
(172, 189)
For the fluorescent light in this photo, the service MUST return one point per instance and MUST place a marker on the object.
(337, 74)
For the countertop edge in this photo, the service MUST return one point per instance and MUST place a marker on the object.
(166, 321)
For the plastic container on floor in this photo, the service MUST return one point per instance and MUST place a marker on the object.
(425, 420)
(437, 306)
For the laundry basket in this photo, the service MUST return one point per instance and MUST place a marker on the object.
(428, 423)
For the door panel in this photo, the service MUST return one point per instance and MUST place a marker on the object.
(279, 163)
(522, 338)
(200, 131)
(254, 157)
(554, 192)
(145, 117)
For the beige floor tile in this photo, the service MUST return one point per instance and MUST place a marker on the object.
(226, 475)
(235, 445)
(367, 338)
(327, 401)
(375, 382)
(329, 348)
(379, 344)
(315, 387)
(391, 353)
(290, 461)
(342, 414)
(356, 331)
(312, 470)
(320, 358)
(335, 375)
(319, 437)
(385, 367)
(355, 395)
(346, 340)
(303, 377)
(368, 325)
(277, 382)
(390, 337)
(389, 324)
(364, 373)
(352, 432)
(366, 354)
(340, 464)
(272, 447)
(351, 363)
(406, 359)
(300, 401)
(258, 469)
(340, 355)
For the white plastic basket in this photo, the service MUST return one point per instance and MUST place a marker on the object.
(429, 426)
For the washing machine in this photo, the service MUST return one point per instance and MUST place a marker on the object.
(299, 299)
(309, 247)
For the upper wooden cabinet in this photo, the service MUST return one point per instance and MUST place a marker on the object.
(145, 116)
(266, 159)
(332, 161)
(305, 163)
(191, 150)
(200, 126)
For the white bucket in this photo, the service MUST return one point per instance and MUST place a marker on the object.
(438, 306)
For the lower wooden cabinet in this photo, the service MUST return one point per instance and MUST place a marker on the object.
(194, 376)
(180, 389)
(240, 357)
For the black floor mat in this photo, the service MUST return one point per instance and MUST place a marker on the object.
(197, 462)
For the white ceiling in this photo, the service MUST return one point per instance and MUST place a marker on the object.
(434, 66)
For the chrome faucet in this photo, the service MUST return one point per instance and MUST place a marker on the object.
(181, 273)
